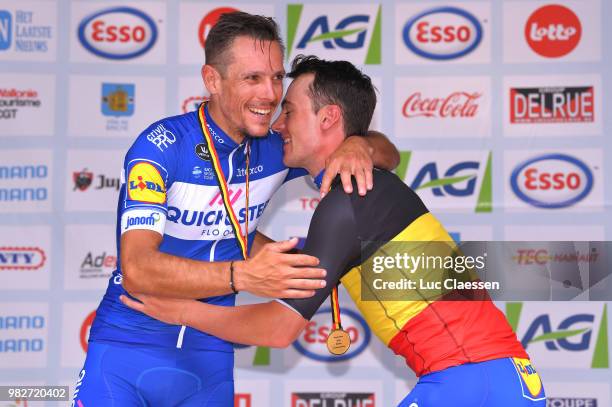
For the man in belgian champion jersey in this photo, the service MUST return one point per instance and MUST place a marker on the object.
(464, 352)
(193, 189)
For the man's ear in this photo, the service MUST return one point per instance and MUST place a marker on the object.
(330, 115)
(211, 78)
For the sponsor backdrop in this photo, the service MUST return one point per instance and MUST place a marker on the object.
(497, 107)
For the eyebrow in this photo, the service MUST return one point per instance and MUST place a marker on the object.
(260, 73)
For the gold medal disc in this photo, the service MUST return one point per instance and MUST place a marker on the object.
(338, 342)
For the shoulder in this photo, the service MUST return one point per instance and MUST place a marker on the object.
(164, 136)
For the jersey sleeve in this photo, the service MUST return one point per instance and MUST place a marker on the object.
(332, 238)
(148, 173)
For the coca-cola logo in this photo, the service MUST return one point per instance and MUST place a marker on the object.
(553, 31)
(455, 105)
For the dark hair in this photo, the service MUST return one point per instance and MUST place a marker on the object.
(233, 25)
(339, 83)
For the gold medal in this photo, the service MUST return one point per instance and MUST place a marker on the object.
(338, 342)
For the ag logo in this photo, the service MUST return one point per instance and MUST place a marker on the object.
(202, 152)
(444, 177)
(335, 34)
(553, 333)
(145, 184)
(209, 21)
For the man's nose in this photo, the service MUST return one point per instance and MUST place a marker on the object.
(279, 124)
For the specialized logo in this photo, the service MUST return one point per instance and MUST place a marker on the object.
(118, 99)
(442, 33)
(201, 150)
(312, 399)
(552, 181)
(161, 137)
(312, 342)
(22, 258)
(145, 184)
(557, 104)
(446, 178)
(85, 329)
(456, 105)
(553, 31)
(335, 34)
(118, 33)
(209, 21)
(577, 335)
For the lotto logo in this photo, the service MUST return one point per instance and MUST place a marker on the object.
(553, 31)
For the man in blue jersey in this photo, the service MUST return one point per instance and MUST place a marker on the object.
(194, 187)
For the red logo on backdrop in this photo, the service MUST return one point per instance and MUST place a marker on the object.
(552, 105)
(85, 327)
(457, 104)
(553, 31)
(192, 103)
(209, 21)
(22, 258)
(242, 400)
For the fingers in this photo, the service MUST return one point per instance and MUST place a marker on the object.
(369, 175)
(328, 177)
(347, 183)
(282, 246)
(297, 294)
(135, 305)
(360, 177)
(302, 260)
(306, 284)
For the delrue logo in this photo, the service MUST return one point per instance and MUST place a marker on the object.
(22, 33)
(12, 100)
(459, 104)
(558, 104)
(563, 332)
(312, 342)
(442, 33)
(329, 399)
(118, 33)
(553, 31)
(209, 21)
(335, 35)
(118, 99)
(84, 178)
(22, 258)
(463, 184)
(552, 181)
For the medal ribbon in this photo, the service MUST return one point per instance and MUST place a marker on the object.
(243, 240)
(335, 305)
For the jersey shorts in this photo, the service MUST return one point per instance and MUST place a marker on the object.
(507, 382)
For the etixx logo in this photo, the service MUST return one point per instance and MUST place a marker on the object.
(118, 33)
(552, 181)
(442, 33)
(312, 343)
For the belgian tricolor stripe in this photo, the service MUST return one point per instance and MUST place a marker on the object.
(242, 239)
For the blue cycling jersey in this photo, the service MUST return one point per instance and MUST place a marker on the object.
(169, 186)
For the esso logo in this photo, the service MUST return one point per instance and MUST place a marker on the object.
(85, 328)
(312, 342)
(442, 33)
(209, 21)
(118, 33)
(552, 181)
(553, 31)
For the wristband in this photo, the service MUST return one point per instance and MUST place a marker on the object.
(232, 286)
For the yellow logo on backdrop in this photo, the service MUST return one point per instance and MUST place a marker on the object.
(146, 184)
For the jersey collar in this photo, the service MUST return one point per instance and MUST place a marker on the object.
(319, 178)
(220, 138)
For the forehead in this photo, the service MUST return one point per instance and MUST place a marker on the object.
(256, 55)
(300, 87)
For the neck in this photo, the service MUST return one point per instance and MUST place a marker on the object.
(221, 120)
(327, 147)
